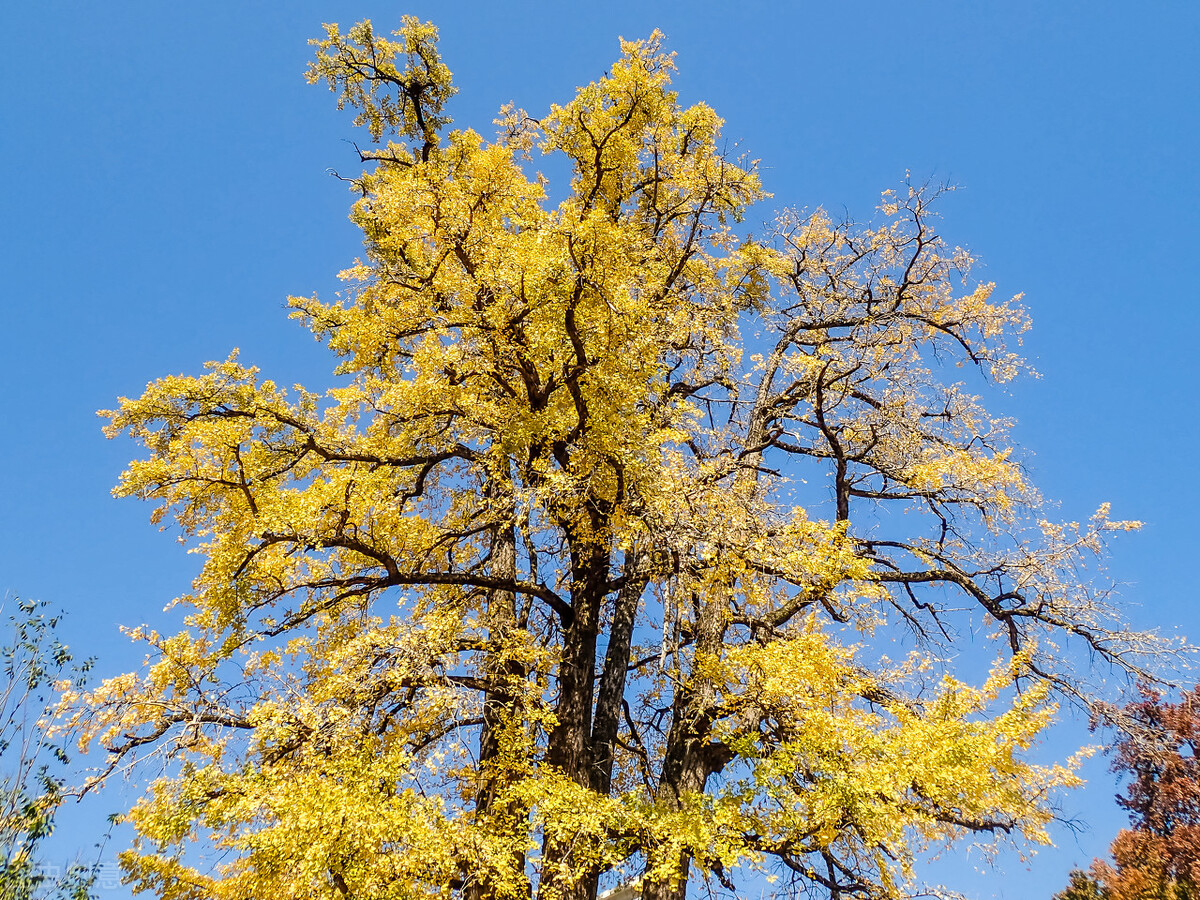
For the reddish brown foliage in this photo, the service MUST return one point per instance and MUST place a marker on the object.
(1158, 858)
(1164, 797)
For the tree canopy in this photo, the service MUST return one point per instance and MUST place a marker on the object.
(593, 564)
(1158, 857)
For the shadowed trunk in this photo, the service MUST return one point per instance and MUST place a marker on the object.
(569, 747)
(690, 754)
(501, 671)
(612, 682)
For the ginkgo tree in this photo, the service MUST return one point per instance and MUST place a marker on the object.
(584, 570)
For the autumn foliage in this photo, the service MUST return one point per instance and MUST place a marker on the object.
(1158, 857)
(628, 545)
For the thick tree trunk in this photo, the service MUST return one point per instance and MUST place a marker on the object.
(570, 742)
(686, 768)
(690, 756)
(500, 670)
(569, 747)
(611, 693)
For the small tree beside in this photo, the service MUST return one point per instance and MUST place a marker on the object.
(35, 668)
(1158, 857)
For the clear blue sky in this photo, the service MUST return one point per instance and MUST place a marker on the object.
(166, 189)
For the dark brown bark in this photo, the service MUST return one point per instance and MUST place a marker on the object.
(612, 682)
(503, 672)
(569, 746)
(690, 755)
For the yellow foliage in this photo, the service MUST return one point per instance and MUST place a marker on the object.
(588, 564)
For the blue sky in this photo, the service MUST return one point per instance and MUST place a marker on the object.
(166, 189)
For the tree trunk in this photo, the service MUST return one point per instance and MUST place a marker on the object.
(501, 671)
(569, 746)
(611, 694)
(690, 756)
